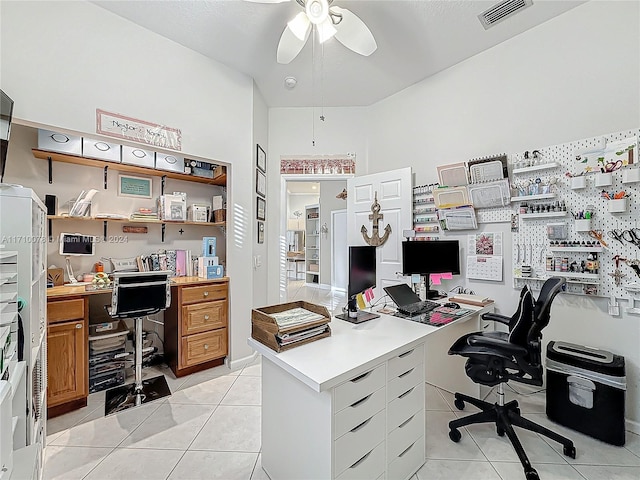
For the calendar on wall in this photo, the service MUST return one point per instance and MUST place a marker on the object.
(484, 261)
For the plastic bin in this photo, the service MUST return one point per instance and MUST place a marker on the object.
(586, 390)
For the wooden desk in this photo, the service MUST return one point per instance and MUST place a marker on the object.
(195, 335)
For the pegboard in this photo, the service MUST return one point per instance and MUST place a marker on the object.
(532, 239)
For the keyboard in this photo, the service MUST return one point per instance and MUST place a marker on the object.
(418, 308)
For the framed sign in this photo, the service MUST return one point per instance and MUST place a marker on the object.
(260, 232)
(261, 207)
(130, 186)
(261, 158)
(261, 183)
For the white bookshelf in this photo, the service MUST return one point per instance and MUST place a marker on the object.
(312, 244)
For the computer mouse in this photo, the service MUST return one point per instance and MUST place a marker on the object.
(451, 305)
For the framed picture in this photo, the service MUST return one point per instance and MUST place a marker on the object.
(261, 183)
(261, 158)
(260, 232)
(261, 207)
(131, 186)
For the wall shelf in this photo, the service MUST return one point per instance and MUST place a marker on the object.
(542, 196)
(576, 277)
(536, 168)
(526, 216)
(577, 249)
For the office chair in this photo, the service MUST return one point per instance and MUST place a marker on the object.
(136, 295)
(494, 358)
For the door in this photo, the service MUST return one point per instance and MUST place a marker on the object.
(67, 362)
(393, 189)
(339, 251)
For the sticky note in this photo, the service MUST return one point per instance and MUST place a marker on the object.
(368, 294)
(360, 300)
(435, 279)
(415, 278)
(446, 276)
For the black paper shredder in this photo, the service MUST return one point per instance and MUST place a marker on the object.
(586, 390)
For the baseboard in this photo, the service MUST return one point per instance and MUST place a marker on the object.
(632, 426)
(324, 286)
(241, 362)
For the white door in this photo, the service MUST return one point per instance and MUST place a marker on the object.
(393, 189)
(339, 251)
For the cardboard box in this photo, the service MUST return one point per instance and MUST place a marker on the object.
(264, 327)
(59, 142)
(138, 156)
(100, 150)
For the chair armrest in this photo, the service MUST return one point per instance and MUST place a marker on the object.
(496, 317)
(501, 346)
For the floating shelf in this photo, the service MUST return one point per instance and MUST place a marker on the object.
(535, 168)
(562, 274)
(542, 196)
(577, 277)
(576, 249)
(121, 220)
(543, 215)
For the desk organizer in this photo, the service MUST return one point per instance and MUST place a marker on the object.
(618, 205)
(604, 179)
(582, 224)
(578, 182)
(265, 329)
(631, 175)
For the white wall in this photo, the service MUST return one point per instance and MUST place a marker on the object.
(62, 60)
(297, 202)
(328, 203)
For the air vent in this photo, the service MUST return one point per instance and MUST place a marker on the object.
(502, 11)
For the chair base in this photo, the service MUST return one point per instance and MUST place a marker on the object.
(506, 417)
(131, 395)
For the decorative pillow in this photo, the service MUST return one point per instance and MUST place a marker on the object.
(124, 264)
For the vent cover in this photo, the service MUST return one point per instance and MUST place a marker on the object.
(501, 11)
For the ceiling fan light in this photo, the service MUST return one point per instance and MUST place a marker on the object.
(326, 30)
(317, 11)
(299, 26)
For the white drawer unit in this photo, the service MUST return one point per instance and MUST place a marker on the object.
(59, 142)
(92, 148)
(404, 361)
(403, 466)
(356, 413)
(355, 444)
(404, 405)
(367, 467)
(405, 434)
(359, 387)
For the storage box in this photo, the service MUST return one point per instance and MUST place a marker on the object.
(604, 179)
(314, 267)
(585, 390)
(582, 224)
(215, 271)
(172, 207)
(220, 215)
(631, 175)
(198, 212)
(578, 182)
(204, 263)
(264, 327)
(59, 142)
(138, 156)
(169, 162)
(209, 246)
(100, 150)
(618, 205)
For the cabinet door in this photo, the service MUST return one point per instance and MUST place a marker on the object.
(67, 362)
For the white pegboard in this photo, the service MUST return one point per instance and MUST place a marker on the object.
(532, 233)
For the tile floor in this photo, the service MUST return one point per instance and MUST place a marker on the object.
(210, 429)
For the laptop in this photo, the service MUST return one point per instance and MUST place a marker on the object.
(407, 301)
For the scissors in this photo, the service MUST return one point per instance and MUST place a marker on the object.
(632, 236)
(597, 234)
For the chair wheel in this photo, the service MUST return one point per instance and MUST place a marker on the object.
(459, 404)
(455, 435)
(531, 475)
(569, 451)
(500, 431)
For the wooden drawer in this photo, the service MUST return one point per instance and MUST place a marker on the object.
(358, 412)
(403, 436)
(355, 444)
(63, 310)
(404, 405)
(359, 387)
(201, 317)
(406, 380)
(203, 347)
(408, 461)
(369, 466)
(204, 293)
(405, 361)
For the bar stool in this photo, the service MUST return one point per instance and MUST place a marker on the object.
(136, 295)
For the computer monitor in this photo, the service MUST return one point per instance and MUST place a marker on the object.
(433, 256)
(362, 276)
(76, 244)
(6, 113)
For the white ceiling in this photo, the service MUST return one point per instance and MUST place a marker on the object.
(310, 188)
(416, 39)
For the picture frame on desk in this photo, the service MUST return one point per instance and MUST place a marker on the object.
(261, 208)
(134, 186)
(261, 158)
(261, 183)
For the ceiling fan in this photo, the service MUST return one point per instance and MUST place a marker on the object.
(329, 21)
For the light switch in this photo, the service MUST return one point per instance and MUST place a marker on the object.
(257, 261)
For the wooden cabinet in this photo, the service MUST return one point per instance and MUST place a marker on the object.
(195, 326)
(68, 354)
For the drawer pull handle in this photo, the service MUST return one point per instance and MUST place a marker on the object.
(406, 373)
(408, 448)
(402, 355)
(78, 325)
(358, 427)
(206, 347)
(362, 400)
(406, 421)
(360, 377)
(362, 460)
(407, 392)
(206, 317)
(206, 294)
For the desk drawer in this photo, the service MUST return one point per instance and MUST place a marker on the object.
(359, 387)
(355, 444)
(202, 317)
(405, 361)
(404, 405)
(408, 461)
(408, 432)
(406, 380)
(369, 466)
(358, 412)
(214, 291)
(202, 347)
(63, 310)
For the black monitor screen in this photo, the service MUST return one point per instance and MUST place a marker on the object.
(362, 269)
(424, 257)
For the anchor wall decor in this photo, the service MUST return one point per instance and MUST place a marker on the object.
(375, 240)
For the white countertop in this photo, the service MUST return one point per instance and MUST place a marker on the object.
(352, 348)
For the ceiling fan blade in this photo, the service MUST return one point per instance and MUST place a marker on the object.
(290, 44)
(353, 33)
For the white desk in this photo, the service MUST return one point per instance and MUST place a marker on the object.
(352, 405)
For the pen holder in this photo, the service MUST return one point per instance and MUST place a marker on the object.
(631, 175)
(578, 182)
(618, 205)
(604, 179)
(583, 224)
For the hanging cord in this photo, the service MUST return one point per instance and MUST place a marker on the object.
(313, 86)
(322, 82)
